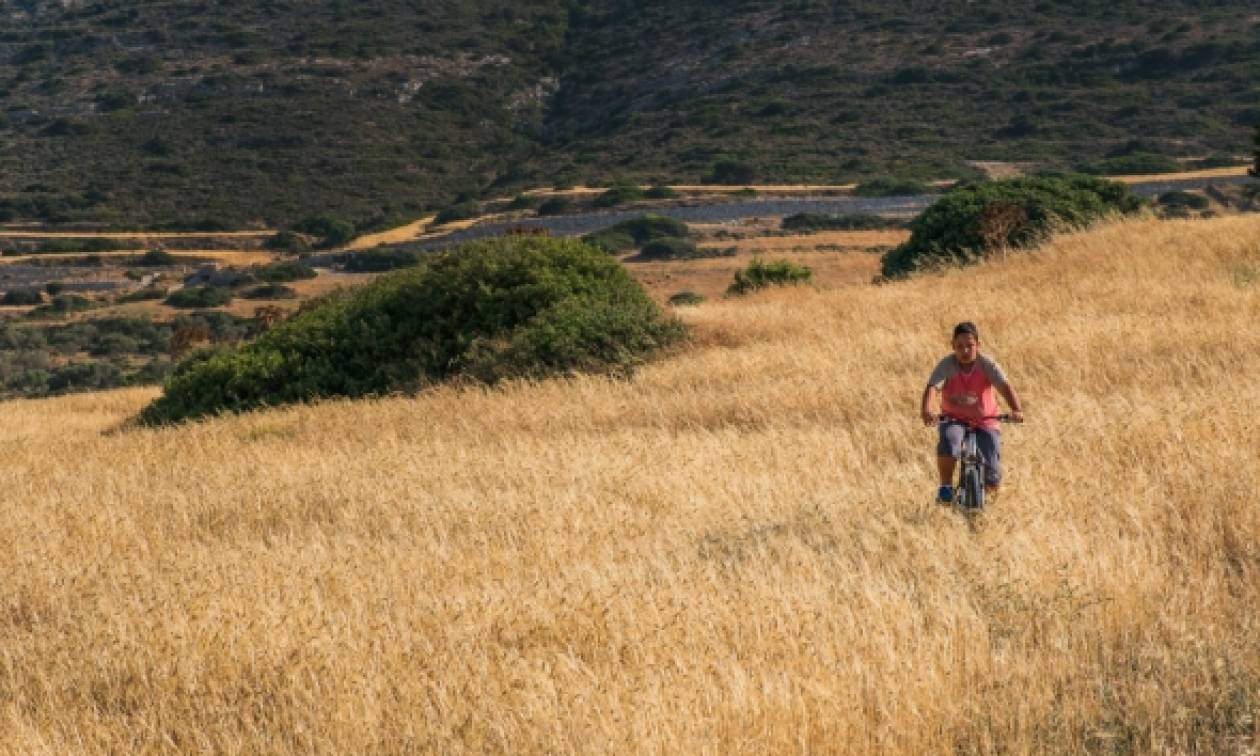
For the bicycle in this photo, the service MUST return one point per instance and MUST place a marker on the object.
(969, 493)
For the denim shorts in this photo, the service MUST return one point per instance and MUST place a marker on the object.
(988, 439)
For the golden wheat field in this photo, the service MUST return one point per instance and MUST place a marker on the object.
(735, 551)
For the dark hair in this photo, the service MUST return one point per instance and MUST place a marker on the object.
(966, 327)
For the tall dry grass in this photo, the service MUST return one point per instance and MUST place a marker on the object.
(734, 552)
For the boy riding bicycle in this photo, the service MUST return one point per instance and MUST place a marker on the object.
(965, 381)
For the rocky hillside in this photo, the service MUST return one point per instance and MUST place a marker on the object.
(229, 113)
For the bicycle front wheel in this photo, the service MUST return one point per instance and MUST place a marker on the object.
(973, 488)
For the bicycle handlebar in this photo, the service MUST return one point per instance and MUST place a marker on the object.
(1003, 418)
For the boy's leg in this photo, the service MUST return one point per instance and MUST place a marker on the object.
(948, 450)
(990, 443)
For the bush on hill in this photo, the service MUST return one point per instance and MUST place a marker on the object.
(669, 248)
(555, 206)
(288, 241)
(457, 212)
(891, 188)
(331, 232)
(686, 299)
(730, 172)
(1183, 200)
(378, 260)
(1134, 163)
(21, 297)
(760, 274)
(63, 304)
(148, 293)
(611, 241)
(282, 272)
(508, 307)
(155, 258)
(618, 195)
(637, 232)
(270, 291)
(973, 220)
(819, 222)
(199, 296)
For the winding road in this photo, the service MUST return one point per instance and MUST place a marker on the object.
(718, 212)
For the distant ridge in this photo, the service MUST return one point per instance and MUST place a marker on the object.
(234, 114)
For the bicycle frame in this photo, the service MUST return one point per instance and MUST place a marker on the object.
(969, 493)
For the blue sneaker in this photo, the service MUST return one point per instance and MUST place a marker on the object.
(945, 495)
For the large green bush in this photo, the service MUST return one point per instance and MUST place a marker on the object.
(510, 307)
(973, 220)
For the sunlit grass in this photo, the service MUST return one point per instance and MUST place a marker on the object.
(735, 551)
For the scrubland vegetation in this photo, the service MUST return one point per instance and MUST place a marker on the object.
(350, 117)
(732, 551)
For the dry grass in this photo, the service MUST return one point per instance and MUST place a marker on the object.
(732, 552)
(709, 277)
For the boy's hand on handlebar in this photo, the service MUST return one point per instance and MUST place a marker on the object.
(1017, 416)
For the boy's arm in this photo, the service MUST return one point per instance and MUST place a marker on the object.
(1012, 401)
(926, 410)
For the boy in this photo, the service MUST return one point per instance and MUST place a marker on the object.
(965, 380)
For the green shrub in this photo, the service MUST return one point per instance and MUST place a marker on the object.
(332, 232)
(63, 304)
(514, 306)
(1183, 200)
(685, 299)
(71, 246)
(282, 272)
(972, 220)
(378, 260)
(85, 376)
(611, 241)
(270, 291)
(618, 195)
(288, 241)
(645, 228)
(143, 295)
(894, 187)
(555, 206)
(457, 212)
(21, 297)
(157, 257)
(199, 296)
(669, 248)
(114, 344)
(54, 288)
(1134, 163)
(807, 222)
(759, 275)
(522, 202)
(730, 172)
(660, 192)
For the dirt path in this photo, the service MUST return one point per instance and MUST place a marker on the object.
(12, 233)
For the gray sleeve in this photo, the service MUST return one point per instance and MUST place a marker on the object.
(993, 371)
(944, 369)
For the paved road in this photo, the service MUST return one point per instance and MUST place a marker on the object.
(574, 225)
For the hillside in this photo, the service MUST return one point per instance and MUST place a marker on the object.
(734, 551)
(233, 113)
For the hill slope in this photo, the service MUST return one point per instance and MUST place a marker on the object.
(231, 113)
(734, 551)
